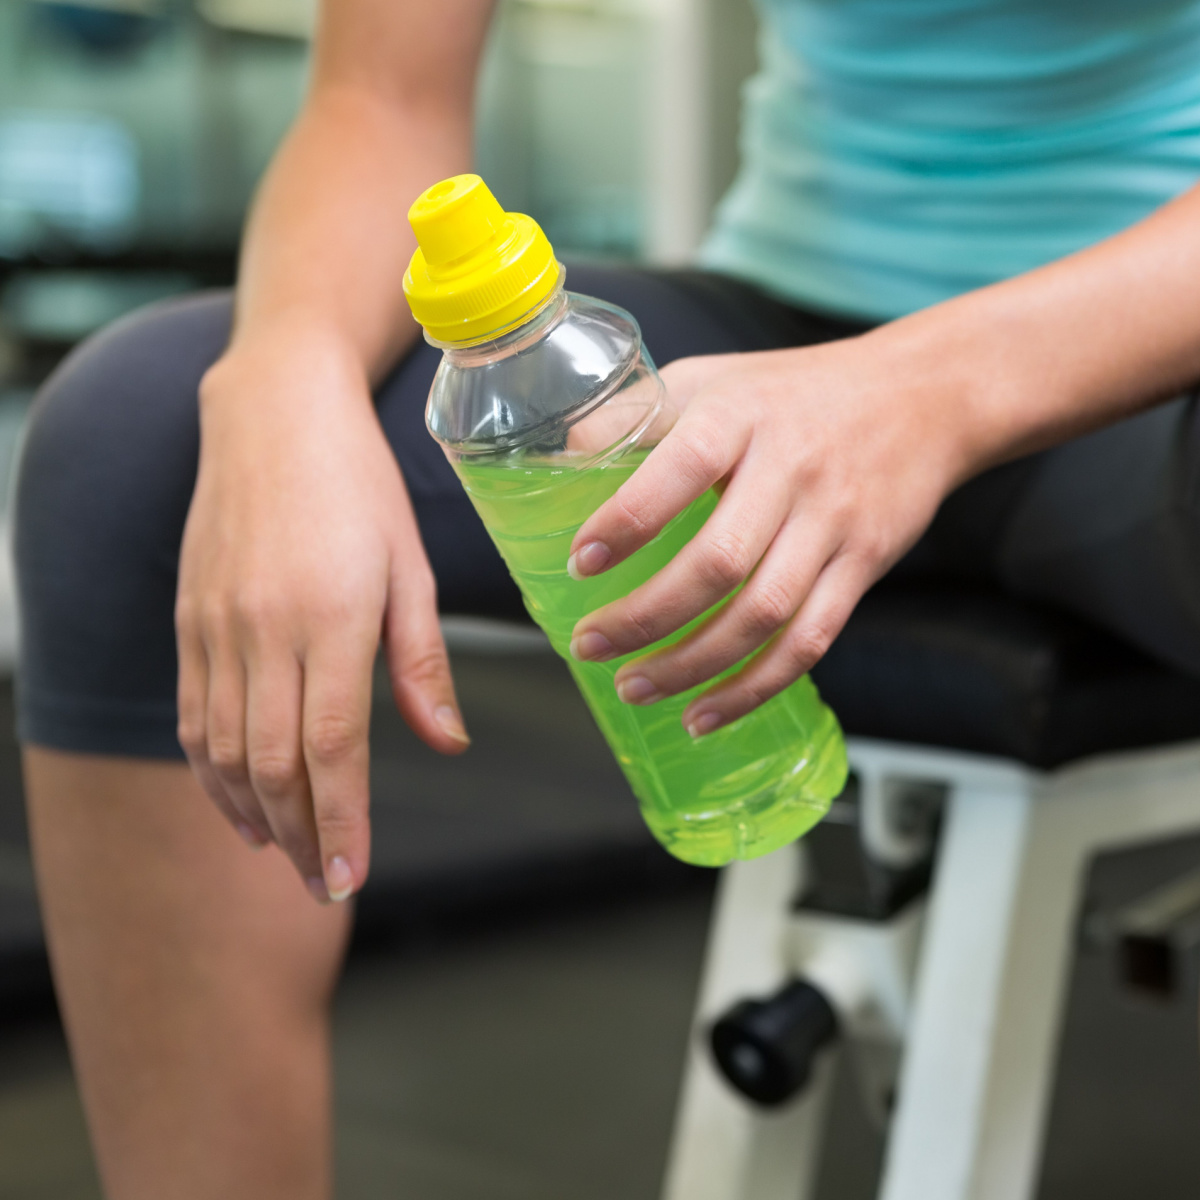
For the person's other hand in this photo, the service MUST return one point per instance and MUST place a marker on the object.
(299, 553)
(831, 461)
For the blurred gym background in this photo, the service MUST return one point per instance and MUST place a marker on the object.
(517, 1004)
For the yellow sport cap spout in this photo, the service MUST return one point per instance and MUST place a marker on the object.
(477, 270)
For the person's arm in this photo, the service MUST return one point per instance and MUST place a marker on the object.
(301, 547)
(836, 457)
(389, 110)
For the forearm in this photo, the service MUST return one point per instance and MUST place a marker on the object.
(389, 113)
(1072, 346)
(327, 242)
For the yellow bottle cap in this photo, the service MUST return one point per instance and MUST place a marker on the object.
(477, 270)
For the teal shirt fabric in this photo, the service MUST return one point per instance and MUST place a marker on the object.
(898, 152)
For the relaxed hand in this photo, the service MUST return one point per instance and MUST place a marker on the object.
(300, 552)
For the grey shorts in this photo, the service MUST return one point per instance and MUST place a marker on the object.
(1105, 526)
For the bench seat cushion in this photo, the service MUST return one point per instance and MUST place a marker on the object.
(977, 671)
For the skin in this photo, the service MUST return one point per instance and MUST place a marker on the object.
(194, 979)
(301, 553)
(301, 549)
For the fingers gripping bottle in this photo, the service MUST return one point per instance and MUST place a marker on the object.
(545, 402)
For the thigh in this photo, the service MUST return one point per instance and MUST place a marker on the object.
(105, 482)
(1108, 527)
(106, 476)
(109, 466)
(1105, 526)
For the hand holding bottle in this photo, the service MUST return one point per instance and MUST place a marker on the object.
(546, 403)
(831, 460)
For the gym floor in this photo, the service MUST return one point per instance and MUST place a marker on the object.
(513, 1019)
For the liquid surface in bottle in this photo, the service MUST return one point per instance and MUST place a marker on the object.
(739, 792)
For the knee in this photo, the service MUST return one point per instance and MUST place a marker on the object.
(117, 419)
(130, 377)
(102, 491)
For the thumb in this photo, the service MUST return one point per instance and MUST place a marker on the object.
(684, 377)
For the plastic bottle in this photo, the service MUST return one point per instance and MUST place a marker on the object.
(545, 402)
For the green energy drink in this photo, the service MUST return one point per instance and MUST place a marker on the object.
(742, 791)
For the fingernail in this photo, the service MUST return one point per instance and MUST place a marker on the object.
(590, 559)
(704, 723)
(339, 879)
(637, 689)
(249, 835)
(451, 724)
(320, 893)
(591, 647)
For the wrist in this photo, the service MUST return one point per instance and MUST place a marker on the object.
(928, 365)
(295, 357)
(977, 380)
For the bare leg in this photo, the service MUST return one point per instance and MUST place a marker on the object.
(194, 977)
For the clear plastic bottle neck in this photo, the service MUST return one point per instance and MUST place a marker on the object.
(540, 386)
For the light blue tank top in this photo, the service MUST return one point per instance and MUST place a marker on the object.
(898, 152)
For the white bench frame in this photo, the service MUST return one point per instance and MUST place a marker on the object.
(964, 990)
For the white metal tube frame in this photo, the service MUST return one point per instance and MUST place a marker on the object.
(968, 987)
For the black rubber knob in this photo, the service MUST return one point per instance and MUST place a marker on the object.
(766, 1048)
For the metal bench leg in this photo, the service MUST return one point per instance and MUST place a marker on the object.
(995, 959)
(979, 1062)
(724, 1148)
